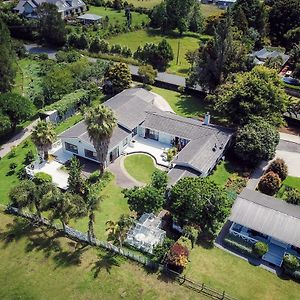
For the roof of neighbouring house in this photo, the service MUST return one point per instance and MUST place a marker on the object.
(206, 142)
(264, 53)
(89, 17)
(179, 172)
(268, 215)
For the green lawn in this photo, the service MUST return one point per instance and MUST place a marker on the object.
(292, 182)
(141, 37)
(222, 173)
(140, 167)
(144, 3)
(37, 265)
(237, 277)
(118, 17)
(210, 10)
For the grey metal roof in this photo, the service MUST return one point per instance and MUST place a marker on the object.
(80, 131)
(179, 172)
(267, 215)
(264, 53)
(91, 17)
(206, 142)
(130, 106)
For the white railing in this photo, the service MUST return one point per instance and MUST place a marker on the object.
(244, 237)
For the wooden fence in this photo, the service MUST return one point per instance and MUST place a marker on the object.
(83, 237)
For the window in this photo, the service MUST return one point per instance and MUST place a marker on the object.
(153, 135)
(90, 154)
(125, 142)
(134, 131)
(71, 147)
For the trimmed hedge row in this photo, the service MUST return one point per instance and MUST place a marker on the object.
(239, 244)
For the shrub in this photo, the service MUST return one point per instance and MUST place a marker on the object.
(191, 233)
(159, 252)
(29, 158)
(260, 248)
(238, 244)
(41, 178)
(290, 262)
(292, 195)
(177, 257)
(12, 166)
(279, 167)
(186, 242)
(12, 152)
(94, 177)
(269, 183)
(171, 153)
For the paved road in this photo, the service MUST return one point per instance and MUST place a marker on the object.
(17, 139)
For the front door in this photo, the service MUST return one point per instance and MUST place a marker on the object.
(114, 154)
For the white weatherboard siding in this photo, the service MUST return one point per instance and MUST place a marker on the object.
(165, 138)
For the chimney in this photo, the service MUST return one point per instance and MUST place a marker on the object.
(207, 119)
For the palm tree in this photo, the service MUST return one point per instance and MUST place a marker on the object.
(100, 122)
(92, 200)
(117, 230)
(43, 137)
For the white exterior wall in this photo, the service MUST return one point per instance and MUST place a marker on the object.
(164, 138)
(141, 131)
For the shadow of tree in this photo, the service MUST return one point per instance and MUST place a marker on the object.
(105, 261)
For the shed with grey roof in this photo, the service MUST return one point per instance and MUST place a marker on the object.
(89, 19)
(268, 215)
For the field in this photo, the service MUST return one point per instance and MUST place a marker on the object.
(35, 264)
(141, 37)
(210, 10)
(144, 3)
(140, 167)
(118, 17)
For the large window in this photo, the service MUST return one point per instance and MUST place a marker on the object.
(90, 154)
(71, 147)
(125, 142)
(153, 135)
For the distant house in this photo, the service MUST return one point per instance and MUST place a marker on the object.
(201, 144)
(66, 8)
(262, 55)
(88, 19)
(258, 217)
(224, 4)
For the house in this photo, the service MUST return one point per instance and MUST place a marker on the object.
(88, 19)
(258, 217)
(66, 8)
(139, 120)
(262, 55)
(224, 4)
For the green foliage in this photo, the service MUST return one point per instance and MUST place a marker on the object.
(12, 166)
(290, 262)
(7, 59)
(256, 141)
(172, 152)
(237, 243)
(258, 93)
(67, 56)
(186, 242)
(148, 74)
(119, 78)
(42, 178)
(177, 257)
(200, 201)
(16, 108)
(94, 177)
(292, 195)
(51, 26)
(144, 200)
(191, 233)
(159, 56)
(284, 15)
(159, 180)
(75, 181)
(160, 251)
(260, 248)
(269, 183)
(5, 124)
(69, 102)
(279, 167)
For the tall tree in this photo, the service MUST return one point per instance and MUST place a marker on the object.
(258, 93)
(147, 73)
(219, 57)
(284, 15)
(75, 181)
(43, 137)
(51, 25)
(7, 59)
(118, 78)
(117, 230)
(16, 107)
(100, 122)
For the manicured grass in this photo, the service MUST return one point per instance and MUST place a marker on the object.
(144, 3)
(118, 17)
(37, 265)
(28, 81)
(111, 208)
(222, 173)
(292, 182)
(237, 277)
(68, 123)
(183, 105)
(210, 10)
(140, 167)
(141, 37)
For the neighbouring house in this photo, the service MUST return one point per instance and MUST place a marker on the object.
(258, 217)
(88, 19)
(147, 233)
(224, 4)
(262, 55)
(67, 8)
(143, 127)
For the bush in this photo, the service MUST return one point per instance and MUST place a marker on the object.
(290, 262)
(159, 252)
(186, 242)
(12, 166)
(171, 153)
(94, 177)
(177, 257)
(260, 249)
(191, 233)
(279, 167)
(41, 178)
(269, 184)
(292, 195)
(238, 244)
(29, 158)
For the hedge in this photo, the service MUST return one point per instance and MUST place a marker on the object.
(239, 244)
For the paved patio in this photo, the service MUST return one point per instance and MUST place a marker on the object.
(156, 149)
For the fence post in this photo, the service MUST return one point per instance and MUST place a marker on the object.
(202, 287)
(223, 295)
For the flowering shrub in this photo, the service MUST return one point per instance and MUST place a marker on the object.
(178, 257)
